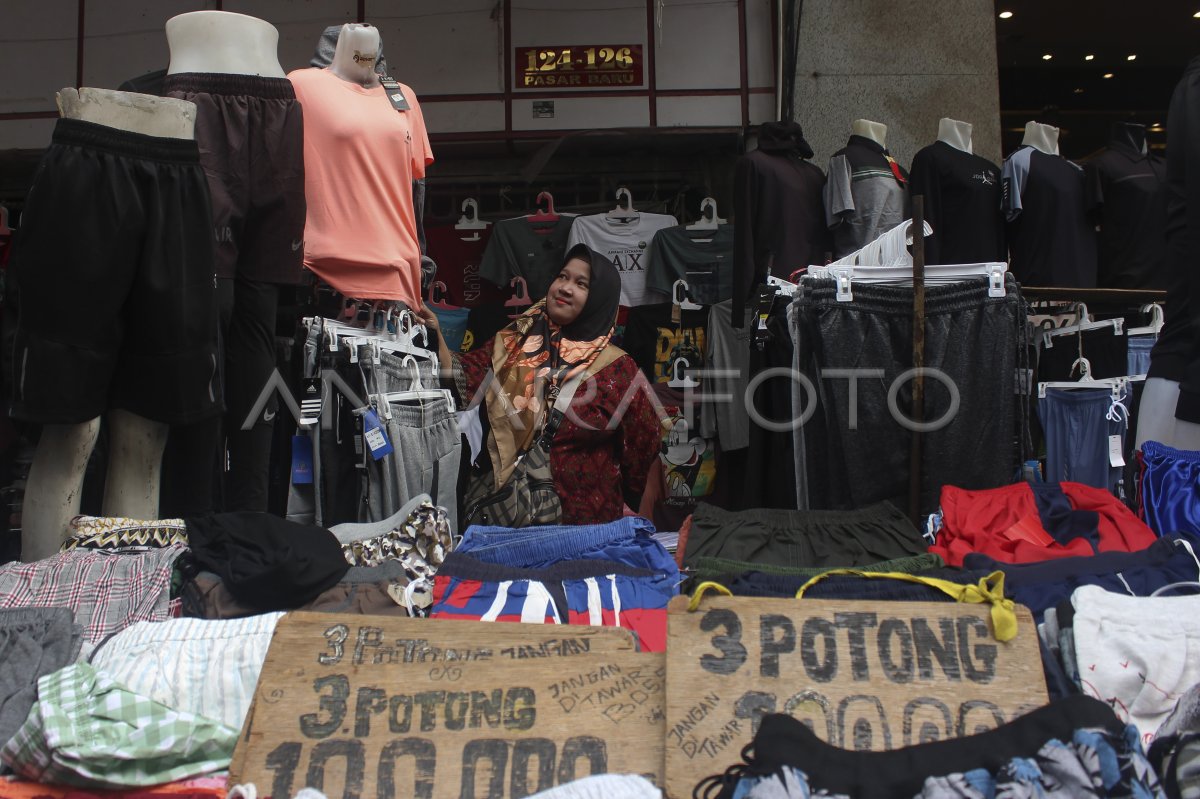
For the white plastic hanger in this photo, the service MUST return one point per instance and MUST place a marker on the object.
(889, 249)
(626, 211)
(1116, 384)
(678, 378)
(1085, 323)
(709, 219)
(784, 286)
(470, 220)
(416, 392)
(680, 296)
(1156, 321)
(935, 274)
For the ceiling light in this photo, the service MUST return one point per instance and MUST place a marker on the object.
(1196, 15)
(1047, 57)
(1089, 57)
(1131, 57)
(1079, 91)
(1107, 75)
(1008, 14)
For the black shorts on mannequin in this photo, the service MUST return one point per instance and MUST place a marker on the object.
(114, 265)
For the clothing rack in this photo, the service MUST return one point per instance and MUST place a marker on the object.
(918, 409)
(1131, 296)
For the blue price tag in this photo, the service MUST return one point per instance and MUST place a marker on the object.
(377, 440)
(302, 460)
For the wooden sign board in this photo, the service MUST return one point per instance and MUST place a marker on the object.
(363, 707)
(863, 675)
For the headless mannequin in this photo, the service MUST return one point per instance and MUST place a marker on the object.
(1156, 417)
(956, 134)
(1156, 412)
(223, 42)
(136, 443)
(875, 131)
(355, 55)
(1043, 138)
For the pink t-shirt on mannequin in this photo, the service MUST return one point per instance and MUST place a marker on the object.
(360, 158)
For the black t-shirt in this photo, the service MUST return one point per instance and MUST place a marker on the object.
(779, 219)
(704, 258)
(1127, 195)
(962, 205)
(654, 341)
(1049, 237)
(532, 250)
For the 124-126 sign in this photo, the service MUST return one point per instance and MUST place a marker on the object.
(580, 66)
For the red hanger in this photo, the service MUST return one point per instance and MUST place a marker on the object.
(437, 297)
(544, 216)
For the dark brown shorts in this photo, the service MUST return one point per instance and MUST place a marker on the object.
(251, 136)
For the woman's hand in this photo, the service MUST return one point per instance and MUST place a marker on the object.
(431, 322)
(429, 318)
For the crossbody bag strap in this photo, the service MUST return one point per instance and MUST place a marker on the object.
(562, 399)
(566, 393)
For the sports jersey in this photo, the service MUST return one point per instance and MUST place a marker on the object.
(1049, 238)
(1127, 196)
(361, 156)
(704, 258)
(625, 241)
(962, 205)
(530, 250)
(865, 194)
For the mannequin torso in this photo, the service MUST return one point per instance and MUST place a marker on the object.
(355, 55)
(875, 131)
(223, 42)
(137, 113)
(1129, 134)
(1043, 138)
(956, 134)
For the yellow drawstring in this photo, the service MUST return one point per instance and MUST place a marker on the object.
(988, 590)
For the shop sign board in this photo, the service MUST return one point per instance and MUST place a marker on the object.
(580, 66)
(863, 675)
(360, 707)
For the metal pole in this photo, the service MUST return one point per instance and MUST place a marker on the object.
(918, 402)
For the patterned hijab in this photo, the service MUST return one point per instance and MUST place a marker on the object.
(533, 352)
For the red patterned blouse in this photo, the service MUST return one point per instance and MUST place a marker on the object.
(602, 458)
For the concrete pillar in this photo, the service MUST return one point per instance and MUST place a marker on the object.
(905, 63)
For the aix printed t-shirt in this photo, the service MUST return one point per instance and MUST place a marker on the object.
(626, 242)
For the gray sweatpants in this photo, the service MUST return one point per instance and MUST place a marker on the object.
(426, 449)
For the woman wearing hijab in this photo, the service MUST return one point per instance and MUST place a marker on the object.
(604, 447)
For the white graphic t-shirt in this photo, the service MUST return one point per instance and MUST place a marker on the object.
(626, 242)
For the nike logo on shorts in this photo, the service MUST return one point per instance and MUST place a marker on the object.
(297, 245)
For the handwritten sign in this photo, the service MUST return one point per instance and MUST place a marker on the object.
(862, 675)
(582, 66)
(362, 707)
